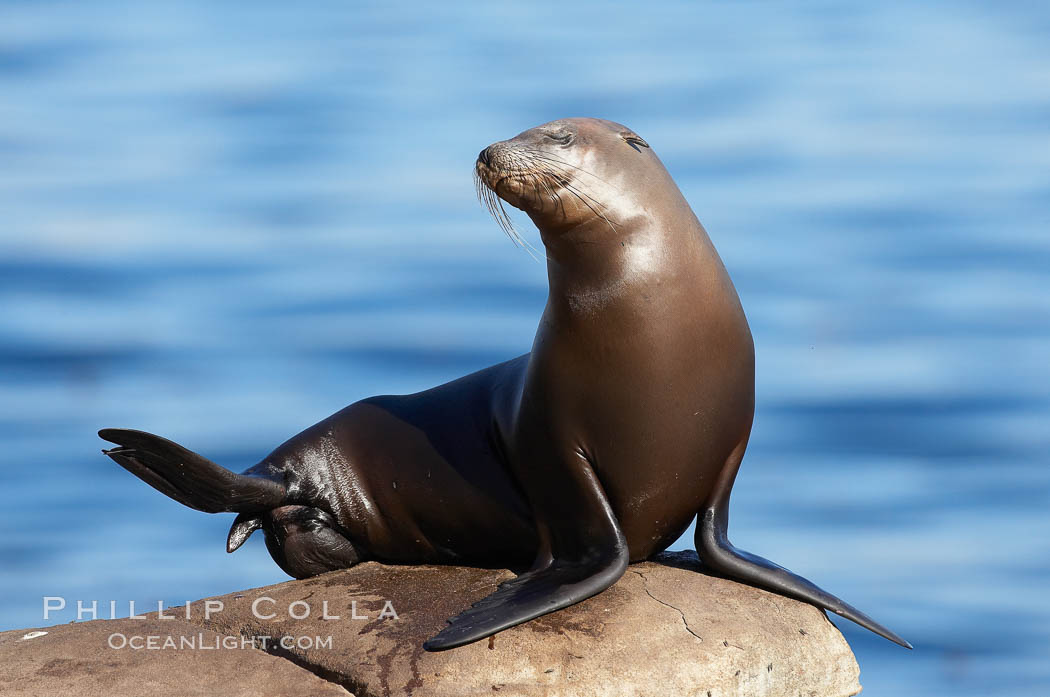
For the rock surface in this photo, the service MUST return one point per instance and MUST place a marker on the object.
(78, 659)
(662, 630)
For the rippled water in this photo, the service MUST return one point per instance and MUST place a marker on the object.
(224, 223)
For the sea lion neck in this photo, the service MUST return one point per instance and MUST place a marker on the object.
(597, 260)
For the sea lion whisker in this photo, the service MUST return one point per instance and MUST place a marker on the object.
(491, 202)
(552, 185)
(532, 170)
(596, 206)
(544, 178)
(596, 211)
(578, 190)
(494, 204)
(541, 168)
(539, 154)
(564, 179)
(553, 170)
(559, 165)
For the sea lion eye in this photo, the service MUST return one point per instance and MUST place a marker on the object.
(563, 138)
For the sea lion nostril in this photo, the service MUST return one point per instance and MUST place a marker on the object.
(484, 156)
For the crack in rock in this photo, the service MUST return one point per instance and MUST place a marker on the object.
(685, 622)
(274, 649)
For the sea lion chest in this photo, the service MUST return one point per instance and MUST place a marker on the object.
(656, 384)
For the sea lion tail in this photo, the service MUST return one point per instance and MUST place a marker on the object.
(189, 478)
(715, 551)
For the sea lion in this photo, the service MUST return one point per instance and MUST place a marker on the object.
(629, 417)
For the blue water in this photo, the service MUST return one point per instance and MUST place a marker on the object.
(222, 223)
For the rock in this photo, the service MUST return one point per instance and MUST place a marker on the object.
(78, 659)
(662, 630)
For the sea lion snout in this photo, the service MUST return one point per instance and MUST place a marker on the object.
(500, 159)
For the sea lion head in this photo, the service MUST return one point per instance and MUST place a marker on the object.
(568, 173)
(304, 541)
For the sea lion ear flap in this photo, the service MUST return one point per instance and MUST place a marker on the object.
(634, 140)
(243, 527)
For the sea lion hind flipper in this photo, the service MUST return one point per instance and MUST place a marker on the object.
(528, 596)
(715, 551)
(187, 477)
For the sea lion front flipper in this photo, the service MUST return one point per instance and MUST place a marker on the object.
(243, 527)
(528, 596)
(583, 551)
(187, 477)
(718, 553)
